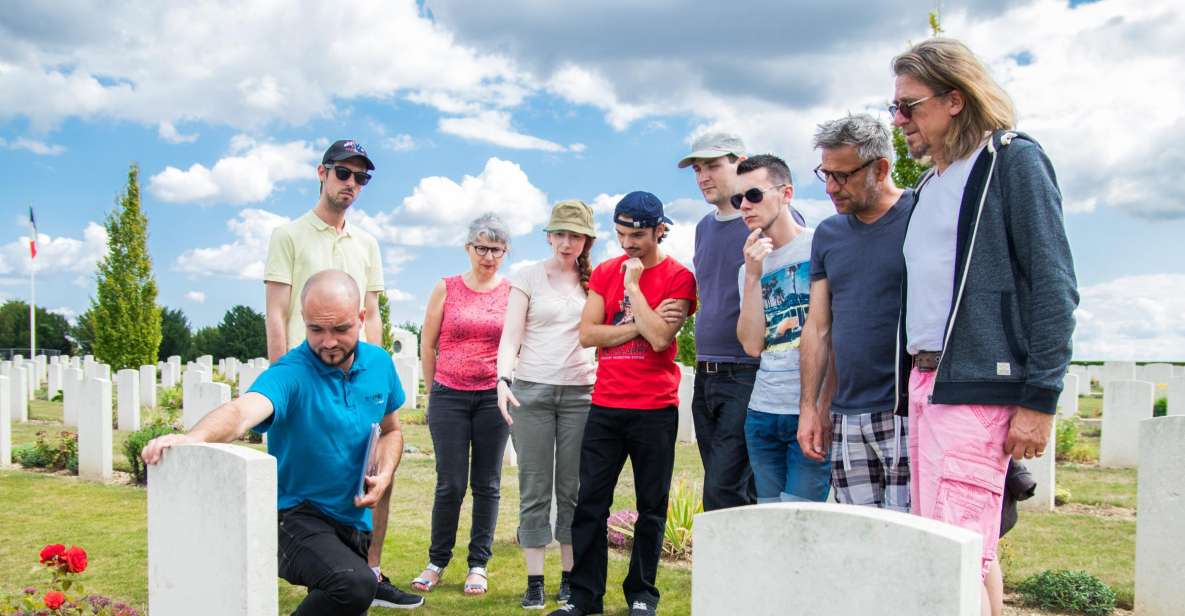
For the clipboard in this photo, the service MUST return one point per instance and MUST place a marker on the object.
(369, 462)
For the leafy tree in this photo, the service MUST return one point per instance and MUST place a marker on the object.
(207, 341)
(243, 334)
(176, 337)
(82, 333)
(907, 171)
(126, 318)
(385, 318)
(686, 341)
(52, 328)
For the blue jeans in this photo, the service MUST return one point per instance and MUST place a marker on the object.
(780, 470)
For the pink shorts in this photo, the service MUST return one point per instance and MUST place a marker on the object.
(957, 462)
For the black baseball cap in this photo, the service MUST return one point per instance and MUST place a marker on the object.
(343, 149)
(643, 209)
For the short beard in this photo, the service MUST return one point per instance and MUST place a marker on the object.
(345, 358)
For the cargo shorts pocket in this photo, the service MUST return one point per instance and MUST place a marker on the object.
(969, 493)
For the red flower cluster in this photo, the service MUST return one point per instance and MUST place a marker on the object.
(54, 599)
(71, 560)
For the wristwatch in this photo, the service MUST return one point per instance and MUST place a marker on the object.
(507, 380)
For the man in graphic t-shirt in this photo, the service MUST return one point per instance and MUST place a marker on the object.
(634, 412)
(775, 286)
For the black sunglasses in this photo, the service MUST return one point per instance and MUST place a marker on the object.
(906, 109)
(343, 174)
(753, 195)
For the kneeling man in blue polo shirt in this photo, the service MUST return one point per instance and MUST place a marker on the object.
(318, 404)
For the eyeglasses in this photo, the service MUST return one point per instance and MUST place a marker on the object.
(906, 109)
(343, 174)
(753, 195)
(493, 251)
(840, 177)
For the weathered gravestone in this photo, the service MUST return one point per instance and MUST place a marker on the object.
(205, 559)
(1044, 471)
(94, 431)
(206, 361)
(5, 423)
(1125, 404)
(686, 430)
(148, 386)
(1067, 402)
(1160, 534)
(1176, 401)
(128, 391)
(801, 558)
(407, 364)
(53, 382)
(1118, 371)
(207, 397)
(190, 379)
(72, 395)
(18, 393)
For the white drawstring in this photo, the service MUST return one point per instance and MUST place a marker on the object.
(843, 439)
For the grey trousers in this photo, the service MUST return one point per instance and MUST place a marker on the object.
(547, 432)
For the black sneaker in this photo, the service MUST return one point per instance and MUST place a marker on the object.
(568, 609)
(641, 608)
(387, 595)
(565, 592)
(533, 598)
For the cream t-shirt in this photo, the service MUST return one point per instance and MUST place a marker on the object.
(551, 351)
(308, 245)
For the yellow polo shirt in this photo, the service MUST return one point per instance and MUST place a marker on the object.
(308, 245)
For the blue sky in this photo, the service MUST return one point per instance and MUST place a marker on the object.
(466, 109)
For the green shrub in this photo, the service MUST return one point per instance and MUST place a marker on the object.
(1076, 591)
(682, 506)
(1161, 408)
(1067, 437)
(169, 397)
(1061, 496)
(54, 455)
(138, 439)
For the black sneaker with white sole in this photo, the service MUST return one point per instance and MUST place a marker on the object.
(565, 592)
(533, 598)
(387, 595)
(568, 609)
(641, 608)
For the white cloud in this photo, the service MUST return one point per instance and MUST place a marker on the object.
(248, 173)
(395, 295)
(402, 142)
(395, 258)
(584, 87)
(244, 256)
(57, 254)
(69, 313)
(521, 264)
(165, 130)
(196, 296)
(1132, 318)
(39, 148)
(494, 127)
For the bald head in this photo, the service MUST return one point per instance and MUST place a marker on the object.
(330, 287)
(329, 304)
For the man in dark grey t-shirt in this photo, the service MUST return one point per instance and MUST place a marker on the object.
(856, 270)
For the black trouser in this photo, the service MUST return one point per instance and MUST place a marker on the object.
(460, 421)
(329, 558)
(718, 408)
(647, 437)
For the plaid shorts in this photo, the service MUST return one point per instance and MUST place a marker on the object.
(869, 460)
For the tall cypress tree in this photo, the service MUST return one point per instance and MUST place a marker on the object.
(126, 318)
(385, 317)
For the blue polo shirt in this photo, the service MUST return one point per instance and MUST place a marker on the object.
(321, 421)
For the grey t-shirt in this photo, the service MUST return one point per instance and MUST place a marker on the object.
(863, 265)
(785, 291)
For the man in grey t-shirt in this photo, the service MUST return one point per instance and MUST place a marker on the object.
(856, 272)
(774, 283)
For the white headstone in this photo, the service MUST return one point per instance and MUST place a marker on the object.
(18, 358)
(5, 423)
(207, 397)
(408, 369)
(53, 382)
(1044, 470)
(222, 366)
(1176, 401)
(207, 361)
(170, 373)
(1160, 534)
(230, 368)
(212, 560)
(148, 386)
(686, 433)
(247, 375)
(404, 343)
(97, 371)
(1125, 404)
(1079, 371)
(801, 558)
(18, 392)
(72, 395)
(40, 362)
(30, 380)
(94, 431)
(1067, 402)
(1118, 371)
(75, 363)
(1178, 371)
(189, 382)
(1157, 374)
(127, 384)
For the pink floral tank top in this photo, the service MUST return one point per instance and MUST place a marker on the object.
(467, 350)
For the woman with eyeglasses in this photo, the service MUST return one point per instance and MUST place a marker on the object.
(545, 381)
(458, 353)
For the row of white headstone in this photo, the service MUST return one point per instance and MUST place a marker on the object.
(808, 552)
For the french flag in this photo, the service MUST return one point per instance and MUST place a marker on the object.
(32, 240)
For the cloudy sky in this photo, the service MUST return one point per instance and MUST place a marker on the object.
(467, 108)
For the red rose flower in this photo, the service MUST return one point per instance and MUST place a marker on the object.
(54, 599)
(75, 559)
(52, 552)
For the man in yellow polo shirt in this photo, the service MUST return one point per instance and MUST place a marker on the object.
(320, 240)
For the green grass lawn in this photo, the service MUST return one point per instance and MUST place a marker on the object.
(1090, 406)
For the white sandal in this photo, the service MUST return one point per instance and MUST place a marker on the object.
(477, 588)
(423, 584)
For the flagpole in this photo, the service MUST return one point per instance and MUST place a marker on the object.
(32, 309)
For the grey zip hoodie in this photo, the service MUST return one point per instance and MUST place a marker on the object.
(1007, 337)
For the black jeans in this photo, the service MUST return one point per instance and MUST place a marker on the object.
(460, 421)
(718, 408)
(329, 558)
(647, 437)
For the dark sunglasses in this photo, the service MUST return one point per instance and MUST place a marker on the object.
(906, 109)
(753, 195)
(343, 174)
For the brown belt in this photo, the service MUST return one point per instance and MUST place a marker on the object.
(927, 361)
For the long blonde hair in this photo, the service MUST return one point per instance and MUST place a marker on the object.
(944, 64)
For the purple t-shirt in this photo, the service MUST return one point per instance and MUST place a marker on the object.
(719, 252)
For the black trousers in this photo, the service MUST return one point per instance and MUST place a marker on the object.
(718, 409)
(329, 558)
(647, 438)
(469, 436)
